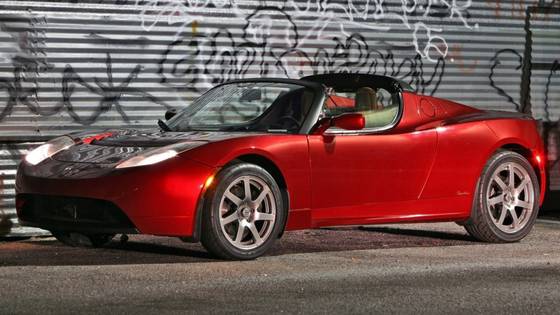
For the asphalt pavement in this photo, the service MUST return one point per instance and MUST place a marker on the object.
(404, 269)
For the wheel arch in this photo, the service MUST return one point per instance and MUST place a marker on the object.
(526, 153)
(265, 163)
(256, 159)
(531, 157)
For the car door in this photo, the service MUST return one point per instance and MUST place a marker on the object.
(371, 173)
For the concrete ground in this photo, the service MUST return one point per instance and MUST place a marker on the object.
(420, 269)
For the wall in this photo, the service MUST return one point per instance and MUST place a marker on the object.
(70, 65)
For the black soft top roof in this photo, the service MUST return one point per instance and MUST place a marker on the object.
(338, 81)
(353, 81)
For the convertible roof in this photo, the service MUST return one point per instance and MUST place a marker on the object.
(338, 81)
(352, 81)
(311, 84)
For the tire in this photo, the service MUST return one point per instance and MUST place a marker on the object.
(82, 240)
(496, 200)
(232, 219)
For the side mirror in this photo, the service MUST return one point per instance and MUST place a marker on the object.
(170, 113)
(349, 121)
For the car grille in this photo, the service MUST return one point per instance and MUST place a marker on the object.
(72, 213)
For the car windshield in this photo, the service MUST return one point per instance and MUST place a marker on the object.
(247, 106)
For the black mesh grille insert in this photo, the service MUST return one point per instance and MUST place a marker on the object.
(71, 212)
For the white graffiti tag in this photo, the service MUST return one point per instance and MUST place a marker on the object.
(293, 23)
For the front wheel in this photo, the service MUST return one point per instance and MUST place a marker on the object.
(244, 214)
(506, 202)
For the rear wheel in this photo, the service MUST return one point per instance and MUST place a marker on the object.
(244, 213)
(506, 202)
(82, 240)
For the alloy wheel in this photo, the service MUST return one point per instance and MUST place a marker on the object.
(247, 212)
(510, 197)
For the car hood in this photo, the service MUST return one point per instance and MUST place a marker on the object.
(114, 146)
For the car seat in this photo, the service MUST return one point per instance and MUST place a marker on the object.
(366, 99)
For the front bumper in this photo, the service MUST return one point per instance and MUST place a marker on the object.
(159, 199)
(85, 215)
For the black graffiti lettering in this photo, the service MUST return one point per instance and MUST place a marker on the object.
(553, 70)
(23, 89)
(96, 38)
(177, 67)
(110, 92)
(495, 62)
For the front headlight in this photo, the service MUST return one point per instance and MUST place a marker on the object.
(48, 149)
(158, 155)
(149, 158)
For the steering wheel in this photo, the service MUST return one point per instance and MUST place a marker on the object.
(290, 119)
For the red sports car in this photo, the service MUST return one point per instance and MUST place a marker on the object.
(252, 158)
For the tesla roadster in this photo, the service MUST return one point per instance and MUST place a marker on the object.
(252, 158)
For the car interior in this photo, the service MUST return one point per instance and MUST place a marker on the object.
(288, 111)
(377, 105)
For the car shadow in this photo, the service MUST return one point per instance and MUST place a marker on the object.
(141, 249)
(421, 233)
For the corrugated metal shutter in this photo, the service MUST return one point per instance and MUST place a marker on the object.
(544, 26)
(70, 65)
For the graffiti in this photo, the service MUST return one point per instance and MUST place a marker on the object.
(95, 38)
(496, 62)
(518, 8)
(110, 93)
(287, 39)
(179, 66)
(426, 38)
(117, 2)
(29, 61)
(353, 54)
(553, 70)
(259, 51)
(28, 57)
(23, 88)
(369, 15)
(179, 13)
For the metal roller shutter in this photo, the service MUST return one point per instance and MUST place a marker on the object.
(72, 65)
